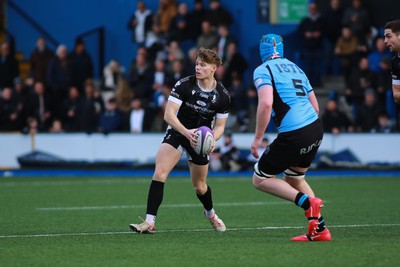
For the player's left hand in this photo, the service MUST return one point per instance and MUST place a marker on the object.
(213, 146)
(254, 147)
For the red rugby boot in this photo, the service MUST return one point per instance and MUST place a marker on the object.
(312, 214)
(317, 236)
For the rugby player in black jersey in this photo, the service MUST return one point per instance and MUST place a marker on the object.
(195, 101)
(392, 41)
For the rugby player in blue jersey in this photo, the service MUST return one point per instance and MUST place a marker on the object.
(285, 94)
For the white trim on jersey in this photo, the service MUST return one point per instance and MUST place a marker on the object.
(396, 82)
(222, 115)
(175, 100)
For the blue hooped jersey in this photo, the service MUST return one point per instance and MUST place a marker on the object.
(291, 108)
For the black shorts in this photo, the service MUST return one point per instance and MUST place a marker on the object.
(292, 149)
(181, 143)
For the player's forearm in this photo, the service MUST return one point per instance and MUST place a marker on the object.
(219, 128)
(263, 118)
(396, 92)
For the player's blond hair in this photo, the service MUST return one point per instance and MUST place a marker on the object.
(209, 56)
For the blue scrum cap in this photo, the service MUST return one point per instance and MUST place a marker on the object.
(271, 45)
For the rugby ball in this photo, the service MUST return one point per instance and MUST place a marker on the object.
(205, 140)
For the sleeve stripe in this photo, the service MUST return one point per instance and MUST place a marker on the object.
(222, 115)
(396, 82)
(265, 83)
(175, 100)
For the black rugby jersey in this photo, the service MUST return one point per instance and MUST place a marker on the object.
(395, 68)
(199, 107)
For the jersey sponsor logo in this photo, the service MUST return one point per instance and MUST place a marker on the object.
(305, 150)
(199, 109)
(201, 103)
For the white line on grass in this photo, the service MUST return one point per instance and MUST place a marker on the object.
(101, 181)
(195, 230)
(164, 206)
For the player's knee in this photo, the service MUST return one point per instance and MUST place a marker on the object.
(259, 176)
(200, 188)
(160, 175)
(290, 173)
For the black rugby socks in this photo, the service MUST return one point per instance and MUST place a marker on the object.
(302, 200)
(155, 197)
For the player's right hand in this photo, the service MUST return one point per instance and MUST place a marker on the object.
(254, 147)
(191, 136)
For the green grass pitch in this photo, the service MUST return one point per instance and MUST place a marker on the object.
(84, 222)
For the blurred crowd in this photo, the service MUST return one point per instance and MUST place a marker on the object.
(60, 94)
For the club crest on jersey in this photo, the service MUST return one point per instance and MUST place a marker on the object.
(201, 103)
(214, 99)
(193, 91)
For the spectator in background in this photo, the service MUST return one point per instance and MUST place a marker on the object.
(235, 64)
(59, 74)
(178, 70)
(224, 39)
(332, 26)
(218, 15)
(173, 52)
(9, 69)
(215, 160)
(196, 17)
(385, 125)
(32, 126)
(190, 63)
(56, 127)
(334, 120)
(240, 107)
(377, 54)
(137, 116)
(113, 72)
(8, 111)
(208, 38)
(111, 118)
(229, 153)
(39, 60)
(91, 107)
(140, 79)
(384, 82)
(81, 65)
(20, 96)
(179, 28)
(357, 17)
(167, 9)
(368, 113)
(346, 50)
(70, 109)
(40, 106)
(155, 42)
(310, 30)
(159, 76)
(140, 23)
(359, 81)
